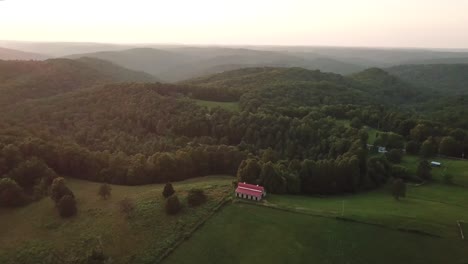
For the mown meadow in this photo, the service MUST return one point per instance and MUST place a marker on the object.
(37, 234)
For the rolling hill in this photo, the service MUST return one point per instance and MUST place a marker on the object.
(374, 57)
(348, 58)
(446, 79)
(11, 54)
(22, 80)
(293, 130)
(371, 83)
(458, 60)
(178, 64)
(259, 77)
(152, 61)
(60, 49)
(384, 85)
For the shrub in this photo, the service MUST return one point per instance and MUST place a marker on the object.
(127, 207)
(428, 148)
(424, 170)
(450, 147)
(394, 155)
(168, 190)
(390, 140)
(356, 122)
(398, 189)
(67, 206)
(97, 256)
(104, 191)
(11, 194)
(28, 173)
(412, 147)
(59, 189)
(234, 184)
(173, 205)
(400, 172)
(196, 197)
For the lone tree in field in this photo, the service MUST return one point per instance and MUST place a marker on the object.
(58, 189)
(67, 206)
(424, 170)
(104, 191)
(398, 189)
(168, 190)
(63, 198)
(173, 205)
(196, 197)
(127, 207)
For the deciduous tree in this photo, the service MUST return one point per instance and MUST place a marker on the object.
(398, 189)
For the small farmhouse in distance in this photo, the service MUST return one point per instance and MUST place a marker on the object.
(382, 150)
(250, 191)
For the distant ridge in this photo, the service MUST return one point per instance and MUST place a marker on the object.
(176, 64)
(23, 80)
(11, 54)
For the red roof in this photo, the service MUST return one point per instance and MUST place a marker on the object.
(251, 186)
(250, 189)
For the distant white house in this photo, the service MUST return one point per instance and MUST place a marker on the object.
(382, 150)
(435, 164)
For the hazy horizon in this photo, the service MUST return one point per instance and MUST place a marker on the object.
(363, 23)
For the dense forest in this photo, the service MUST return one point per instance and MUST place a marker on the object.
(440, 78)
(22, 80)
(296, 130)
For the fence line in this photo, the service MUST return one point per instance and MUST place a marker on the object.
(461, 229)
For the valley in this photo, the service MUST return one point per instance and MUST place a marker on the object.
(92, 144)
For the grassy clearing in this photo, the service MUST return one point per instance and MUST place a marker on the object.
(457, 168)
(232, 106)
(31, 233)
(243, 233)
(344, 122)
(372, 135)
(429, 208)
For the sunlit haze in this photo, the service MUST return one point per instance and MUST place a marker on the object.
(385, 23)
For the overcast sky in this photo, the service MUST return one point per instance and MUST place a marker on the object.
(387, 23)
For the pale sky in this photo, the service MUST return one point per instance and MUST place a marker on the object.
(378, 23)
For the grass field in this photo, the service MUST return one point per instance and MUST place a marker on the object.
(243, 233)
(29, 234)
(372, 135)
(421, 228)
(457, 168)
(429, 208)
(233, 106)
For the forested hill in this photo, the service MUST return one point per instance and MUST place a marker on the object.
(294, 130)
(21, 80)
(371, 86)
(261, 77)
(133, 118)
(382, 84)
(444, 79)
(143, 133)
